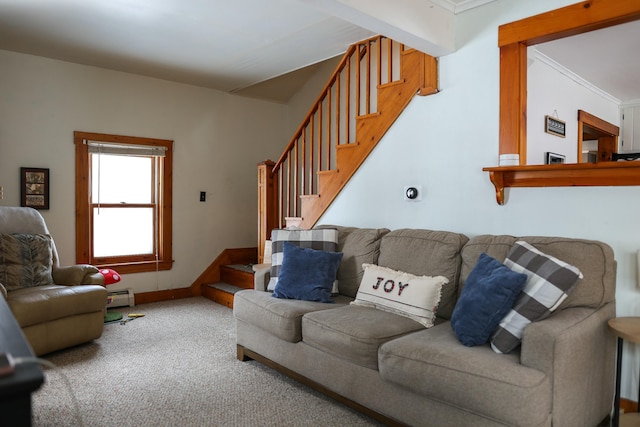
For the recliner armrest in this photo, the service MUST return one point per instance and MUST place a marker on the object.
(80, 274)
(93, 279)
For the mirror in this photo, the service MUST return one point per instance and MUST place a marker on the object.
(592, 72)
(513, 40)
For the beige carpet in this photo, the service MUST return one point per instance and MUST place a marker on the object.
(177, 367)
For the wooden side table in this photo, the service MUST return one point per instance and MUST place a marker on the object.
(625, 328)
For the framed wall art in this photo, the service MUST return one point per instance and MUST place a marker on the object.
(34, 188)
(554, 126)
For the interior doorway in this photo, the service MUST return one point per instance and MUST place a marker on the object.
(597, 139)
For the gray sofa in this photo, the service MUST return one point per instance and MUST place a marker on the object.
(399, 372)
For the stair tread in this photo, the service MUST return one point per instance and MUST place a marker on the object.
(365, 116)
(225, 287)
(247, 268)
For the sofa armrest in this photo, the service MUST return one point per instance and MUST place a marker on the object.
(81, 274)
(575, 348)
(261, 276)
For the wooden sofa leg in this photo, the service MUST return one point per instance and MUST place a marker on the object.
(240, 354)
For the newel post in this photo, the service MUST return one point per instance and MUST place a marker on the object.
(267, 205)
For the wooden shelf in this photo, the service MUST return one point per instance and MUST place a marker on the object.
(564, 175)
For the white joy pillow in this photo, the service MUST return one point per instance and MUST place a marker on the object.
(415, 297)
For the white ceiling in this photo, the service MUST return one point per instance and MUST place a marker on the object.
(260, 48)
(225, 45)
(609, 59)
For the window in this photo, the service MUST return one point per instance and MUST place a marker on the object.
(123, 202)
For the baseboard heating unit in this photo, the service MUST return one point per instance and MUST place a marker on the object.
(123, 298)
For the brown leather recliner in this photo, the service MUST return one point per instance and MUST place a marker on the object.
(58, 311)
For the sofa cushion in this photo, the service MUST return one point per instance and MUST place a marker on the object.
(280, 317)
(415, 297)
(594, 259)
(25, 260)
(307, 274)
(488, 295)
(549, 281)
(426, 253)
(324, 240)
(359, 246)
(354, 332)
(35, 305)
(433, 363)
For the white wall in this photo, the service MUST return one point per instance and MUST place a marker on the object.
(443, 141)
(219, 139)
(550, 92)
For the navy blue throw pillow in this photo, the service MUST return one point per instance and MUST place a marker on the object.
(307, 274)
(488, 294)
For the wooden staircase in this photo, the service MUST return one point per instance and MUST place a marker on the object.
(374, 82)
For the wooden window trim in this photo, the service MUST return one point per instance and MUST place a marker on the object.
(128, 264)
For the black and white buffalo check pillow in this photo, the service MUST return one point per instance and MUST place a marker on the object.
(325, 239)
(549, 281)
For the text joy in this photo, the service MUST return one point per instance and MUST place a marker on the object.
(389, 285)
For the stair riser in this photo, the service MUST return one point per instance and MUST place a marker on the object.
(218, 296)
(238, 278)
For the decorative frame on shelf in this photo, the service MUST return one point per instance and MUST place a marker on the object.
(555, 126)
(553, 158)
(34, 188)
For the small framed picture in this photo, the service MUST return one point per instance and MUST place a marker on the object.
(553, 158)
(554, 126)
(34, 188)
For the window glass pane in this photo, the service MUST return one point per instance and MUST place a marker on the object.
(121, 179)
(122, 231)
